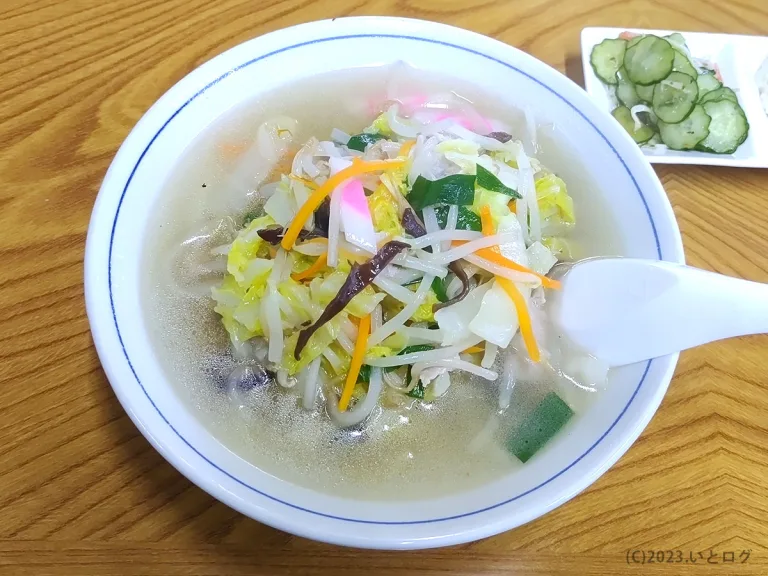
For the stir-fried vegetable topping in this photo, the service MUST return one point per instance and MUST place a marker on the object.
(360, 276)
(395, 256)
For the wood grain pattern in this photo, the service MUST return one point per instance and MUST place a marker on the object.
(81, 492)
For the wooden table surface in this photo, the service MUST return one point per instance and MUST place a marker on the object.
(82, 492)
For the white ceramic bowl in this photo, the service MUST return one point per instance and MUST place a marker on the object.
(135, 178)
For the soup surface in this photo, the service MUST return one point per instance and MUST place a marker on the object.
(408, 448)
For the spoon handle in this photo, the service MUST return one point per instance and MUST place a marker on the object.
(626, 310)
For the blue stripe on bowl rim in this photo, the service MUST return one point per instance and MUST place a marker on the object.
(357, 37)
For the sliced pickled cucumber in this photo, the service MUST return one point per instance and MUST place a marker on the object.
(674, 97)
(687, 134)
(723, 93)
(728, 129)
(649, 61)
(640, 133)
(707, 83)
(645, 92)
(607, 58)
(681, 63)
(625, 90)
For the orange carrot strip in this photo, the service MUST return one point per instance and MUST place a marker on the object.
(523, 317)
(357, 362)
(512, 205)
(486, 221)
(496, 258)
(317, 265)
(473, 349)
(406, 148)
(316, 198)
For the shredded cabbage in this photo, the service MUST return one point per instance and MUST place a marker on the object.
(496, 321)
(384, 212)
(247, 247)
(497, 202)
(380, 126)
(424, 311)
(554, 202)
(281, 206)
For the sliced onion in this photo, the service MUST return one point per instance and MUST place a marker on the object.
(507, 382)
(514, 275)
(401, 317)
(470, 247)
(431, 226)
(454, 364)
(401, 275)
(309, 378)
(270, 311)
(421, 335)
(377, 317)
(450, 224)
(489, 357)
(340, 136)
(422, 265)
(345, 342)
(394, 289)
(425, 356)
(529, 193)
(334, 228)
(442, 236)
(362, 410)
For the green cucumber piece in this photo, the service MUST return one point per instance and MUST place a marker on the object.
(606, 58)
(707, 82)
(539, 427)
(635, 40)
(649, 61)
(677, 40)
(681, 63)
(728, 129)
(624, 117)
(674, 97)
(645, 92)
(625, 90)
(687, 134)
(723, 93)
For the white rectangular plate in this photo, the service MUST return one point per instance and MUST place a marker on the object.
(738, 57)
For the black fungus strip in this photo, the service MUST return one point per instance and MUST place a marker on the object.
(360, 276)
(415, 228)
(274, 234)
(456, 268)
(412, 224)
(502, 137)
(322, 216)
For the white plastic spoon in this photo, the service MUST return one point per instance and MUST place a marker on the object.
(625, 310)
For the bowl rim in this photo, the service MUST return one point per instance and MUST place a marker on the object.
(431, 33)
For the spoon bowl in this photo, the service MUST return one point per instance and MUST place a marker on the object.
(626, 310)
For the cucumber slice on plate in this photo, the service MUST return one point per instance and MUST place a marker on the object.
(723, 93)
(645, 92)
(728, 129)
(607, 57)
(635, 40)
(707, 83)
(677, 40)
(687, 134)
(641, 133)
(649, 61)
(681, 63)
(625, 90)
(674, 97)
